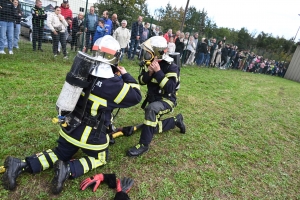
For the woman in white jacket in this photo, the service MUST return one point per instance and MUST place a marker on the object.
(122, 35)
(58, 25)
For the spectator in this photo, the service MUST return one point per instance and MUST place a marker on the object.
(100, 31)
(76, 23)
(186, 53)
(115, 23)
(201, 51)
(17, 27)
(91, 24)
(38, 18)
(122, 35)
(156, 31)
(136, 33)
(7, 25)
(168, 34)
(213, 45)
(80, 35)
(191, 49)
(68, 14)
(171, 45)
(177, 35)
(216, 60)
(145, 34)
(69, 29)
(57, 25)
(107, 23)
(179, 44)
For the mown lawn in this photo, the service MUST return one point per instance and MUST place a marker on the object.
(242, 139)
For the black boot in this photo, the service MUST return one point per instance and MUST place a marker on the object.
(179, 123)
(137, 150)
(13, 168)
(62, 173)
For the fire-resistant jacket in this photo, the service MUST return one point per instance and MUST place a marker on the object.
(162, 84)
(106, 95)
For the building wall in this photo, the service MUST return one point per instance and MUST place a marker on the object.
(293, 71)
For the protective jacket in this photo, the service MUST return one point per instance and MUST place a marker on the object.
(38, 16)
(106, 95)
(162, 84)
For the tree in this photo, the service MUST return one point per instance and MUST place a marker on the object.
(126, 9)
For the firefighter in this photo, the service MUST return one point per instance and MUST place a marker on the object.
(86, 126)
(161, 76)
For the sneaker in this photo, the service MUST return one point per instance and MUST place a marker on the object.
(10, 52)
(13, 168)
(179, 123)
(55, 55)
(16, 47)
(41, 50)
(66, 57)
(2, 52)
(138, 150)
(62, 173)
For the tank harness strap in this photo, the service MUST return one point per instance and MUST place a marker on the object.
(100, 128)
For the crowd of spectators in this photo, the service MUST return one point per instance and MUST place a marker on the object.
(192, 51)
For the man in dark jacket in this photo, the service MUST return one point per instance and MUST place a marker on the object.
(136, 33)
(6, 25)
(76, 23)
(115, 23)
(38, 18)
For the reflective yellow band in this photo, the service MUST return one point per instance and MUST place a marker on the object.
(122, 93)
(85, 134)
(101, 159)
(149, 123)
(43, 161)
(52, 155)
(94, 109)
(141, 80)
(84, 165)
(163, 82)
(84, 145)
(98, 100)
(153, 80)
(133, 85)
(168, 102)
(173, 74)
(93, 162)
(160, 127)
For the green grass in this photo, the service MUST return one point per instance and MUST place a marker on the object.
(242, 139)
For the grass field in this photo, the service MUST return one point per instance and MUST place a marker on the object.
(242, 139)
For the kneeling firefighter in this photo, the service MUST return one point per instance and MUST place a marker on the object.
(161, 75)
(89, 95)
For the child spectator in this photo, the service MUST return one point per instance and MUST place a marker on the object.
(171, 45)
(100, 30)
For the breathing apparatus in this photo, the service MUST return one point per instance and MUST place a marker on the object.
(103, 65)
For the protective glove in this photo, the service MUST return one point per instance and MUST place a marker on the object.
(124, 185)
(97, 179)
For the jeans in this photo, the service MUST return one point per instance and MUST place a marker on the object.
(16, 35)
(89, 35)
(207, 61)
(6, 31)
(200, 59)
(60, 37)
(133, 44)
(66, 37)
(122, 51)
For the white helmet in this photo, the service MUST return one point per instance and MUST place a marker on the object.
(107, 55)
(155, 46)
(108, 50)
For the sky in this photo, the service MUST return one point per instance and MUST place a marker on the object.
(276, 17)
